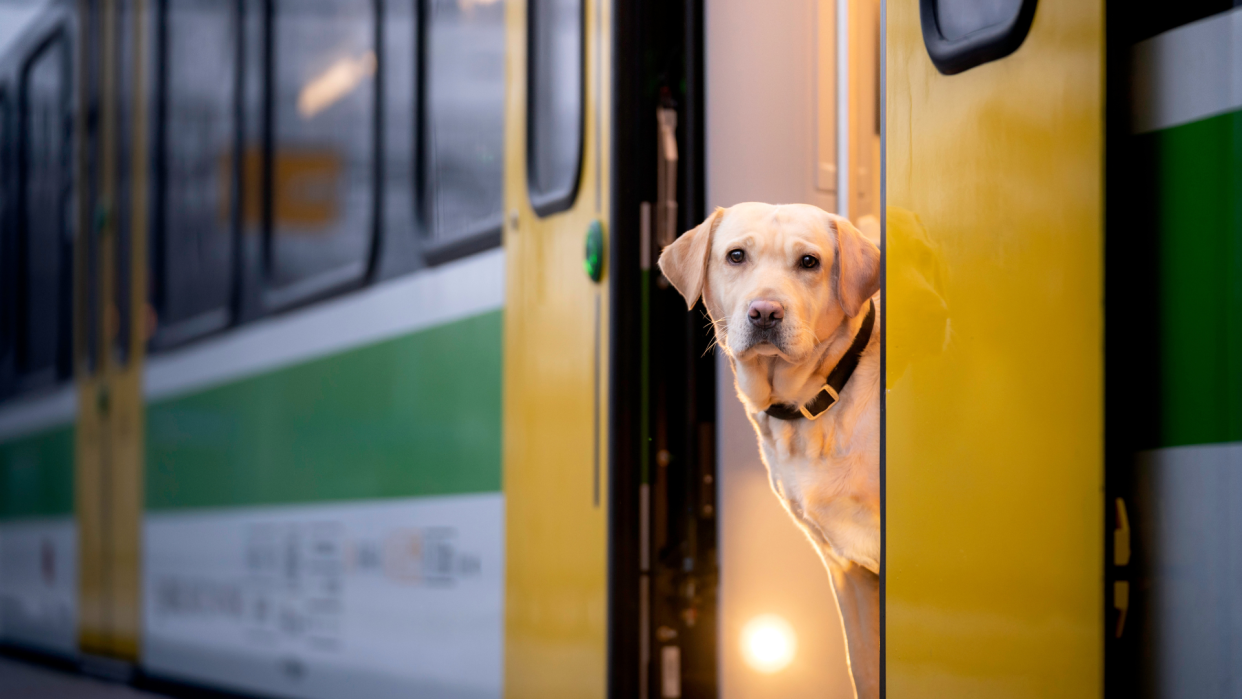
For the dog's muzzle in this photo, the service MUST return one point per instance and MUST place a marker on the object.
(753, 337)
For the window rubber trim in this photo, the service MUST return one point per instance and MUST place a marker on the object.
(484, 235)
(62, 367)
(980, 46)
(7, 273)
(548, 203)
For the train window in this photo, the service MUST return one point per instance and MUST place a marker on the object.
(87, 189)
(193, 246)
(463, 126)
(7, 273)
(961, 34)
(320, 171)
(555, 100)
(44, 255)
(4, 160)
(119, 316)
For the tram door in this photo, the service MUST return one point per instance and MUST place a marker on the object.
(792, 116)
(994, 552)
(108, 343)
(556, 342)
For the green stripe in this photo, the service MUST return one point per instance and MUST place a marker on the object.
(1201, 280)
(416, 416)
(36, 475)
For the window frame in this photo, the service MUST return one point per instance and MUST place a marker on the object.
(56, 38)
(168, 336)
(981, 46)
(322, 286)
(8, 241)
(548, 203)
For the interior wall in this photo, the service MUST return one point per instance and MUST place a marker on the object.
(761, 123)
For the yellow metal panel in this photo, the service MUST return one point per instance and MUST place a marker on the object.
(128, 415)
(995, 340)
(109, 435)
(555, 417)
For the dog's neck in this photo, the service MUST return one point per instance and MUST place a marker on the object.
(764, 380)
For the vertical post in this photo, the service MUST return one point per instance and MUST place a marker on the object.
(826, 96)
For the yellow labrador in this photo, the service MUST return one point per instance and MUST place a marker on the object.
(793, 293)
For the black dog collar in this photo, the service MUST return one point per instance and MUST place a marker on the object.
(837, 378)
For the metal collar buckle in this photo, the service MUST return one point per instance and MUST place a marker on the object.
(825, 388)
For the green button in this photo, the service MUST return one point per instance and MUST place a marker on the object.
(594, 262)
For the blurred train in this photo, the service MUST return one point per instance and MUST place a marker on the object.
(332, 363)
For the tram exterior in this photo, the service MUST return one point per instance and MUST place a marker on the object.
(333, 363)
(278, 467)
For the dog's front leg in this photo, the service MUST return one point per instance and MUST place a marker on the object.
(858, 598)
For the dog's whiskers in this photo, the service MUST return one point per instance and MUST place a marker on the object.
(720, 329)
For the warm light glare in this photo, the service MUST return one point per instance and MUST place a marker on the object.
(768, 643)
(334, 83)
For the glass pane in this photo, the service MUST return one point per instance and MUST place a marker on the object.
(465, 117)
(118, 320)
(194, 256)
(323, 120)
(44, 264)
(555, 102)
(959, 18)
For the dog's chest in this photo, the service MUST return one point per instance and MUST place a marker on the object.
(827, 472)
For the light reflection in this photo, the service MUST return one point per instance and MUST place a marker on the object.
(334, 83)
(467, 6)
(768, 643)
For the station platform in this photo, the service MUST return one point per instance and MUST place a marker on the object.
(24, 680)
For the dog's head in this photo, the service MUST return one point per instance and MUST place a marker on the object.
(776, 280)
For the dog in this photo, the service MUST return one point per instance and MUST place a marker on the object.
(792, 292)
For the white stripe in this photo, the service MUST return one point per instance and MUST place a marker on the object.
(39, 583)
(391, 309)
(1186, 524)
(409, 592)
(28, 414)
(1188, 73)
(430, 297)
(1195, 455)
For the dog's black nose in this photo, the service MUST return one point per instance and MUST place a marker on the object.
(765, 314)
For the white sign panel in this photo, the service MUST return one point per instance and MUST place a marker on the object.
(39, 584)
(388, 598)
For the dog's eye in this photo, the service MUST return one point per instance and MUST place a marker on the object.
(736, 256)
(810, 262)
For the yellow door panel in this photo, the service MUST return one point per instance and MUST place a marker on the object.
(555, 403)
(109, 448)
(128, 414)
(995, 339)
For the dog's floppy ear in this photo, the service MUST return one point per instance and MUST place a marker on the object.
(684, 262)
(858, 265)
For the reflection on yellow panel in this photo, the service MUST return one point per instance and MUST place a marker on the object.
(995, 340)
(306, 188)
(555, 400)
